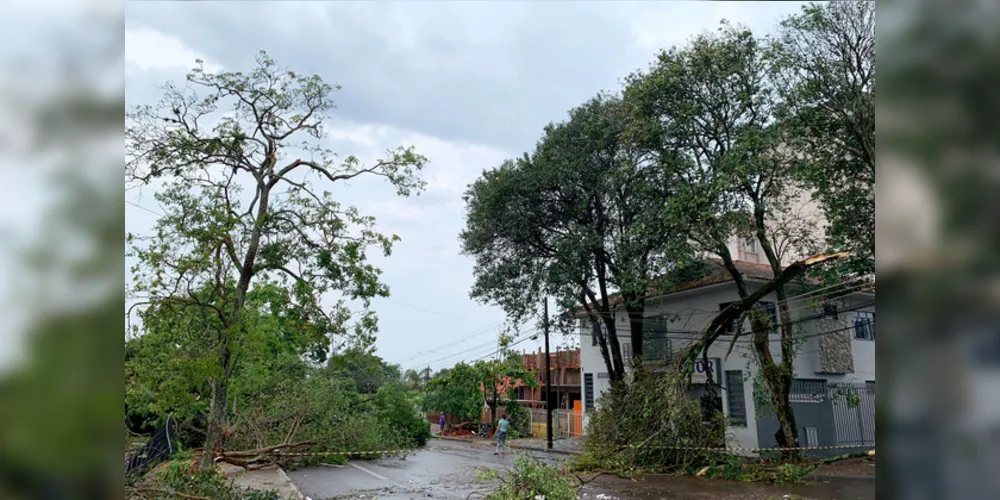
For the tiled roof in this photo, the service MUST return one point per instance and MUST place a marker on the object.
(718, 274)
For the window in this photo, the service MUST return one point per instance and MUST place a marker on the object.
(588, 391)
(808, 390)
(736, 397)
(750, 245)
(772, 310)
(602, 376)
(626, 352)
(656, 346)
(864, 326)
(830, 310)
(737, 324)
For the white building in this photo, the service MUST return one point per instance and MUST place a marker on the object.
(835, 345)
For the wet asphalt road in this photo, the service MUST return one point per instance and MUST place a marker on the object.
(447, 470)
(442, 469)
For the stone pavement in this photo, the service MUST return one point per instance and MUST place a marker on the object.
(268, 478)
(569, 446)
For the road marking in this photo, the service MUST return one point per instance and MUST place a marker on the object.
(366, 471)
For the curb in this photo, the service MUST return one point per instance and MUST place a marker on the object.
(298, 492)
(545, 450)
(512, 446)
(448, 438)
(827, 478)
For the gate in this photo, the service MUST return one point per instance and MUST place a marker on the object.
(853, 413)
(837, 416)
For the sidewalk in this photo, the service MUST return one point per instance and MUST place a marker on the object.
(269, 478)
(566, 446)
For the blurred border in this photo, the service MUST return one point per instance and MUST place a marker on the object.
(937, 240)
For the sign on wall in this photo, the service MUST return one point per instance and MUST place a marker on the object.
(699, 373)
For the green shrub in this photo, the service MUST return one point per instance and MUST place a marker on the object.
(641, 424)
(396, 410)
(519, 418)
(531, 478)
(791, 473)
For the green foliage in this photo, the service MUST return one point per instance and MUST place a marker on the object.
(638, 425)
(519, 418)
(367, 370)
(578, 219)
(393, 406)
(213, 245)
(791, 473)
(498, 376)
(736, 468)
(456, 393)
(823, 63)
(487, 474)
(530, 479)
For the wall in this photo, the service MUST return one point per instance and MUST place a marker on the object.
(693, 310)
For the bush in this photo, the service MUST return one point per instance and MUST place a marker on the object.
(530, 479)
(396, 410)
(640, 423)
(791, 473)
(519, 418)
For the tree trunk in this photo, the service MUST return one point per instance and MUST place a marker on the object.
(617, 362)
(216, 422)
(778, 379)
(635, 320)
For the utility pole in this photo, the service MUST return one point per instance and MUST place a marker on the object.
(548, 376)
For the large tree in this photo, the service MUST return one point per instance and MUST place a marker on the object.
(577, 219)
(824, 67)
(203, 144)
(455, 392)
(712, 101)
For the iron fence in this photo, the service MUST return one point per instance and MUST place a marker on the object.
(853, 412)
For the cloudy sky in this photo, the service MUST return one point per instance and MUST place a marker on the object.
(467, 83)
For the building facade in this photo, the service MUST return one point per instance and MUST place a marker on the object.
(834, 388)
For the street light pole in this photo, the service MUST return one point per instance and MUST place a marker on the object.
(548, 378)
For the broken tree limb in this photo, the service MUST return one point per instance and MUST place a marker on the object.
(736, 309)
(266, 450)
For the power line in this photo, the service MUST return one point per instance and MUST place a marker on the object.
(501, 349)
(523, 338)
(445, 346)
(430, 310)
(861, 288)
(795, 298)
(136, 205)
(695, 335)
(477, 333)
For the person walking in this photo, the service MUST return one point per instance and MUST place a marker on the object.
(502, 436)
(441, 423)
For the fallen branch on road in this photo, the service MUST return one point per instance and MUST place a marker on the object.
(261, 457)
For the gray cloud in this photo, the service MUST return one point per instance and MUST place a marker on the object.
(492, 74)
(468, 83)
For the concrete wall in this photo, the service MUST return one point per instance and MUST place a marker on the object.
(691, 311)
